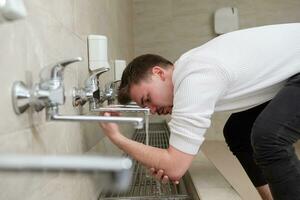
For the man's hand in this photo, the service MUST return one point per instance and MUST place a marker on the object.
(160, 176)
(173, 162)
(110, 129)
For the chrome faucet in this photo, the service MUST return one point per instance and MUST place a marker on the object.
(111, 92)
(49, 94)
(132, 108)
(93, 93)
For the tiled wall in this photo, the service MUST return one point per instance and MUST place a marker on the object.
(52, 31)
(171, 27)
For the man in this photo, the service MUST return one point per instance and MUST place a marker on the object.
(252, 72)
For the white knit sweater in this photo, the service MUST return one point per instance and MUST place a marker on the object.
(234, 71)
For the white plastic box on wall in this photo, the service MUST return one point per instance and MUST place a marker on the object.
(12, 10)
(119, 68)
(97, 52)
(226, 20)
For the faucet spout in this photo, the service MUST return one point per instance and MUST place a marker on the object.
(137, 121)
(121, 108)
(117, 172)
(127, 108)
(90, 92)
(67, 163)
(52, 114)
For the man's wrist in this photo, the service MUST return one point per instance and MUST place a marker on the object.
(116, 137)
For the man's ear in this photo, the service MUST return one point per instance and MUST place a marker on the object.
(159, 71)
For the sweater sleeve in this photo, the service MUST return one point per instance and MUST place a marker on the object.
(197, 88)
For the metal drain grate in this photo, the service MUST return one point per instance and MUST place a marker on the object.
(144, 186)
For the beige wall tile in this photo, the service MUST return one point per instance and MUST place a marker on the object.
(192, 7)
(63, 11)
(53, 31)
(23, 185)
(68, 186)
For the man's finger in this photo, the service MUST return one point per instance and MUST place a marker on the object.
(165, 179)
(114, 113)
(105, 114)
(176, 182)
(159, 174)
(110, 113)
(152, 171)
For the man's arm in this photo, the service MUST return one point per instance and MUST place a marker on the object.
(173, 162)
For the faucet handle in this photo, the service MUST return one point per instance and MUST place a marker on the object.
(55, 71)
(111, 91)
(66, 62)
(91, 91)
(93, 79)
(113, 85)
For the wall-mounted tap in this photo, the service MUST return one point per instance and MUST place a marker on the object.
(49, 94)
(95, 96)
(91, 91)
(132, 108)
(111, 92)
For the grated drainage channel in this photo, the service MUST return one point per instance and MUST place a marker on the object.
(144, 186)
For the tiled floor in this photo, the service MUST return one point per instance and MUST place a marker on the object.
(209, 182)
(217, 174)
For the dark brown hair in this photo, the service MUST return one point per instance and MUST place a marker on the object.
(139, 69)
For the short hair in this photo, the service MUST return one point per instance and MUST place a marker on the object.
(139, 69)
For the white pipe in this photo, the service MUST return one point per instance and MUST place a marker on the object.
(137, 121)
(128, 108)
(66, 162)
(121, 108)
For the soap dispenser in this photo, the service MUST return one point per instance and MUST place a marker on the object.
(97, 52)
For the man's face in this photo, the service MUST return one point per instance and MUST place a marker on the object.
(156, 92)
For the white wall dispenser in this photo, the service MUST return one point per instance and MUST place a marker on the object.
(119, 68)
(97, 52)
(12, 10)
(226, 20)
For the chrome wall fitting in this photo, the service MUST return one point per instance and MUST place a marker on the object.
(90, 92)
(49, 92)
(93, 93)
(20, 97)
(111, 92)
